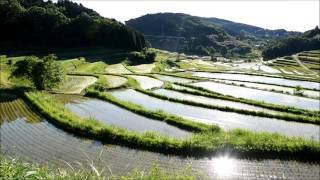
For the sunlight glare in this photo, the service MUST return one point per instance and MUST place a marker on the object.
(224, 166)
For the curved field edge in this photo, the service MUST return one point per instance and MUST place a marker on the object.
(209, 142)
(11, 168)
(277, 107)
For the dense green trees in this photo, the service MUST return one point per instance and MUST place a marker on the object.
(45, 73)
(145, 56)
(310, 40)
(35, 23)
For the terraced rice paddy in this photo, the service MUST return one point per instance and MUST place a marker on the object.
(308, 93)
(211, 101)
(117, 69)
(112, 114)
(76, 84)
(226, 120)
(261, 79)
(143, 68)
(27, 135)
(172, 79)
(147, 82)
(115, 81)
(91, 67)
(44, 143)
(271, 97)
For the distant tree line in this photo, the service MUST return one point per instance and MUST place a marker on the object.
(310, 40)
(26, 23)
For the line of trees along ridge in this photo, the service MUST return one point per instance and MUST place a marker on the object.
(26, 23)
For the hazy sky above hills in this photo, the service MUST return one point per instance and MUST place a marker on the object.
(290, 15)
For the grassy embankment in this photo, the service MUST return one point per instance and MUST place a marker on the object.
(16, 169)
(209, 141)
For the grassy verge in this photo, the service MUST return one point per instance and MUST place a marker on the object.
(287, 117)
(16, 169)
(209, 142)
(276, 107)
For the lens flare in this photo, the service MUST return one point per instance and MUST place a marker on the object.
(224, 166)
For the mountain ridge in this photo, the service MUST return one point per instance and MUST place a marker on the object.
(204, 36)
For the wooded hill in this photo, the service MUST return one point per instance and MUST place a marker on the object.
(204, 36)
(309, 40)
(35, 23)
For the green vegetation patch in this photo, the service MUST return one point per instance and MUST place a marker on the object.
(16, 169)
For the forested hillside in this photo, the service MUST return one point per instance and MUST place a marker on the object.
(189, 34)
(250, 31)
(310, 40)
(205, 36)
(35, 23)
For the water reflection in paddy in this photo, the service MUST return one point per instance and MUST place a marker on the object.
(211, 101)
(310, 93)
(114, 115)
(270, 97)
(226, 120)
(44, 143)
(263, 79)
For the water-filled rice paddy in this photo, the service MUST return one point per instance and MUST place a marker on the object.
(172, 79)
(115, 81)
(76, 84)
(143, 68)
(147, 82)
(262, 79)
(270, 97)
(114, 115)
(211, 101)
(227, 120)
(309, 93)
(117, 69)
(44, 143)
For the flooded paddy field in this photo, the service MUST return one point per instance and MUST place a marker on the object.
(262, 79)
(114, 115)
(259, 95)
(76, 84)
(172, 79)
(28, 136)
(147, 82)
(227, 120)
(211, 101)
(115, 81)
(309, 93)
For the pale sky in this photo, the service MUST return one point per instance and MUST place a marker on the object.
(276, 14)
